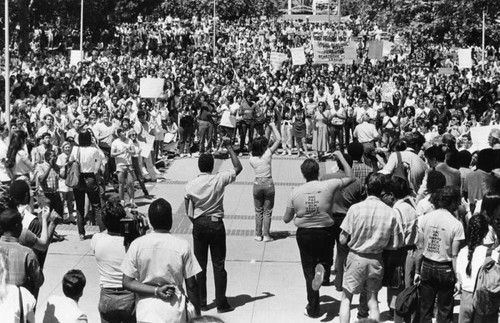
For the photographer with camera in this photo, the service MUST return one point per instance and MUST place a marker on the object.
(116, 304)
(155, 268)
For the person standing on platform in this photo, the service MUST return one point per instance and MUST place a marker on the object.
(204, 198)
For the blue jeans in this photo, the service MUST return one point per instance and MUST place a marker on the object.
(117, 306)
(316, 247)
(210, 234)
(438, 279)
(263, 200)
(205, 133)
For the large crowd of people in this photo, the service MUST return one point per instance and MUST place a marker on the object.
(413, 198)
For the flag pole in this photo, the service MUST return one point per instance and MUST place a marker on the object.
(7, 68)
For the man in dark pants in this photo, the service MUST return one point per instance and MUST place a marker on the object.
(310, 206)
(342, 201)
(204, 205)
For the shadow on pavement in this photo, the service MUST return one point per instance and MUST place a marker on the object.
(278, 235)
(241, 300)
(330, 306)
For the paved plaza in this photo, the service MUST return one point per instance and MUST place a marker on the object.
(265, 280)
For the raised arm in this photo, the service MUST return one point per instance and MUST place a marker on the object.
(277, 137)
(234, 158)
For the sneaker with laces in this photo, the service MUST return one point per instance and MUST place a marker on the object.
(319, 273)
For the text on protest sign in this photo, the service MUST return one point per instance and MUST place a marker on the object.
(328, 52)
(151, 87)
(298, 56)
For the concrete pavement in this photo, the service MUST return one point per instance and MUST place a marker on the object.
(265, 280)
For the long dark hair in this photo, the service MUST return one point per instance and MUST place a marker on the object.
(477, 230)
(17, 142)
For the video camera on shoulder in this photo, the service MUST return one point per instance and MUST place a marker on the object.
(133, 226)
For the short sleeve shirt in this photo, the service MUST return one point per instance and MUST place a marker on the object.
(157, 259)
(312, 203)
(206, 193)
(262, 164)
(371, 225)
(439, 229)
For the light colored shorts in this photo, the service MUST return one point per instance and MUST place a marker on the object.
(363, 272)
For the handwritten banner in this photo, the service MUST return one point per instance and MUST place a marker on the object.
(328, 52)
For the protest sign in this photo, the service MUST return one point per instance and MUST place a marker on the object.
(350, 53)
(479, 136)
(75, 57)
(446, 71)
(328, 52)
(146, 146)
(375, 49)
(387, 47)
(298, 56)
(387, 91)
(277, 60)
(465, 58)
(151, 87)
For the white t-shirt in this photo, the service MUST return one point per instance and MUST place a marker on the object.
(10, 309)
(157, 259)
(124, 159)
(90, 158)
(439, 229)
(478, 258)
(109, 253)
(262, 165)
(365, 132)
(63, 309)
(4, 175)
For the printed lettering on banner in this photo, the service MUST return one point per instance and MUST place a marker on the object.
(151, 87)
(479, 136)
(328, 52)
(298, 56)
(277, 60)
(464, 58)
(75, 57)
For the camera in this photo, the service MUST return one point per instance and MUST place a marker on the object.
(133, 226)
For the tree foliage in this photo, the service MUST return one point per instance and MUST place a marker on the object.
(457, 21)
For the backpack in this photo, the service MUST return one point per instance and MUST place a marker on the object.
(486, 297)
(73, 172)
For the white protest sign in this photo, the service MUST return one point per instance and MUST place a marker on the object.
(146, 147)
(277, 60)
(75, 57)
(350, 53)
(465, 58)
(479, 136)
(327, 52)
(387, 91)
(151, 87)
(298, 56)
(387, 47)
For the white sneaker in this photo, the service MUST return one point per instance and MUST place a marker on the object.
(257, 238)
(319, 274)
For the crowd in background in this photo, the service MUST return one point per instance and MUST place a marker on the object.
(93, 112)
